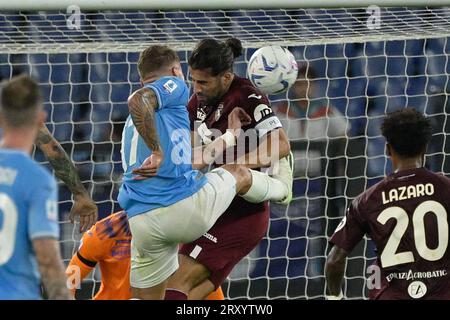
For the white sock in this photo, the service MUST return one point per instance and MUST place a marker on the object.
(285, 175)
(265, 188)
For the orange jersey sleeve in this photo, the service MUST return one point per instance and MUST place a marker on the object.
(76, 271)
(90, 251)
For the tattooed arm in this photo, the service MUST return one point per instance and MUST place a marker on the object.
(142, 104)
(65, 170)
(51, 268)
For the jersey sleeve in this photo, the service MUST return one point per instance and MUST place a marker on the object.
(92, 249)
(170, 91)
(43, 210)
(258, 108)
(76, 265)
(85, 259)
(83, 267)
(351, 229)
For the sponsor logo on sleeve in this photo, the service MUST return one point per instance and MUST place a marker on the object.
(170, 86)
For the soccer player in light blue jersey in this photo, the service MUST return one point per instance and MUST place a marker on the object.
(29, 232)
(178, 204)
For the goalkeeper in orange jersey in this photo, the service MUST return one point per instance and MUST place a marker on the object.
(108, 243)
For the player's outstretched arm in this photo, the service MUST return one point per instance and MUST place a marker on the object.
(334, 270)
(65, 170)
(51, 268)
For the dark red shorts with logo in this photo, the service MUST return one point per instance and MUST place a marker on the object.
(232, 237)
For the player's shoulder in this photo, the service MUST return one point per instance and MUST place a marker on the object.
(439, 178)
(366, 198)
(170, 91)
(27, 168)
(422, 175)
(113, 226)
(89, 237)
(243, 94)
(245, 90)
(16, 158)
(437, 175)
(169, 84)
(42, 175)
(93, 240)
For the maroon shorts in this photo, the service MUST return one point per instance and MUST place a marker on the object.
(231, 238)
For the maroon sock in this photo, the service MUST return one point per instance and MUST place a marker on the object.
(172, 294)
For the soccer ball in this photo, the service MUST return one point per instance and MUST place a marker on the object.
(272, 69)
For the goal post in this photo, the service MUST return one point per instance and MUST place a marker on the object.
(360, 60)
(207, 5)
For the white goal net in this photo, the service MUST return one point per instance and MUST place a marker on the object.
(356, 65)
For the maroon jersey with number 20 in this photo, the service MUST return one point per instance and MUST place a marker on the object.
(406, 215)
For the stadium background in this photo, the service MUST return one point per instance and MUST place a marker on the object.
(86, 93)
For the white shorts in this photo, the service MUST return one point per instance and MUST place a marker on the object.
(157, 233)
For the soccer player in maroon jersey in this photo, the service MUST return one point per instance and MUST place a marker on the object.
(405, 214)
(206, 262)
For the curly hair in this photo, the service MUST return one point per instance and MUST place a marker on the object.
(407, 131)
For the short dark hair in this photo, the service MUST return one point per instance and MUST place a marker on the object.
(217, 56)
(154, 58)
(407, 131)
(21, 100)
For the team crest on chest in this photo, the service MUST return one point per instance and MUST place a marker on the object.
(218, 112)
(201, 114)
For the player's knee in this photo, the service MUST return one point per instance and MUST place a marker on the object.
(244, 172)
(231, 168)
(241, 174)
